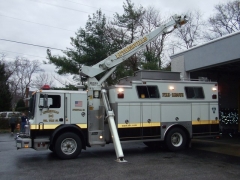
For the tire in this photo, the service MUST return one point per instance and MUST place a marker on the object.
(176, 139)
(68, 146)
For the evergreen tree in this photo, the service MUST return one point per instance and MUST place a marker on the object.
(151, 61)
(90, 46)
(20, 105)
(100, 39)
(130, 22)
(5, 94)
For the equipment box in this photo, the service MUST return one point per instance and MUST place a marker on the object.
(23, 143)
(41, 144)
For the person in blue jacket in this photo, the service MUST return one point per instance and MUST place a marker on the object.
(23, 122)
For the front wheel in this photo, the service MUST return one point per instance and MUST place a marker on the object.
(176, 139)
(68, 146)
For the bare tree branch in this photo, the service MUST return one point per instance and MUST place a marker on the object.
(225, 21)
(190, 34)
(42, 79)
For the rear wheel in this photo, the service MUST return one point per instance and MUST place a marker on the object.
(68, 146)
(176, 139)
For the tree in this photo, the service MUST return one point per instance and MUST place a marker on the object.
(42, 79)
(89, 46)
(96, 42)
(5, 94)
(190, 34)
(151, 61)
(226, 20)
(136, 22)
(21, 71)
(153, 53)
(20, 105)
(130, 23)
(100, 39)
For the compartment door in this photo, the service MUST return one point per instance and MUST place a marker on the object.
(129, 127)
(150, 119)
(200, 119)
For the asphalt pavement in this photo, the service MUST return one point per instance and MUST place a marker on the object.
(228, 144)
(207, 159)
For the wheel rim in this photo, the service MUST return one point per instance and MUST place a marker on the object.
(68, 146)
(176, 139)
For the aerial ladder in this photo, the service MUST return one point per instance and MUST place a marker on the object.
(110, 63)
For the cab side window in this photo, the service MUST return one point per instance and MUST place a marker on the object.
(56, 101)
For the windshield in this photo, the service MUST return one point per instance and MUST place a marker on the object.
(32, 106)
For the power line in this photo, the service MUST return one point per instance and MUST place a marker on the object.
(37, 23)
(21, 53)
(88, 5)
(31, 44)
(46, 24)
(64, 7)
(60, 6)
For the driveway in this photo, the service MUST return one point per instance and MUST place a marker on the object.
(204, 160)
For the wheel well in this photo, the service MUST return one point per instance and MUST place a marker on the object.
(68, 128)
(181, 127)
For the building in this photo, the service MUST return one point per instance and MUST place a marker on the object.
(217, 60)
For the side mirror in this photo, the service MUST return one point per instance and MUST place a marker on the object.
(43, 102)
(40, 103)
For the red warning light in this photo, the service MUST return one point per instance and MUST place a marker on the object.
(45, 87)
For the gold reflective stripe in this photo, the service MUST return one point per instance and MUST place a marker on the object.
(82, 126)
(134, 125)
(153, 124)
(214, 121)
(45, 126)
(53, 126)
(202, 122)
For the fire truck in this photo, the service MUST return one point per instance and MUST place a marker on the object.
(150, 107)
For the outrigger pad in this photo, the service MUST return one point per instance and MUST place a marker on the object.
(120, 160)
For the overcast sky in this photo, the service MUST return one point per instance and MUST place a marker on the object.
(51, 23)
